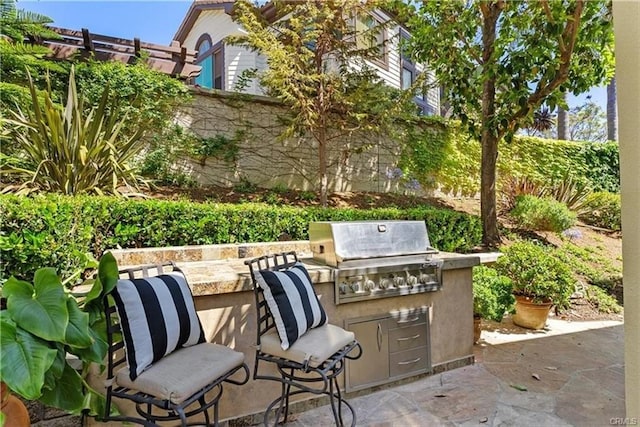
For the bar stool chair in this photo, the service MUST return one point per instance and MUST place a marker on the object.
(293, 334)
(158, 357)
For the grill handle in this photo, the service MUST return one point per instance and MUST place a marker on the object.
(379, 337)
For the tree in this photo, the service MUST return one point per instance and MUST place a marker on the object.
(316, 53)
(500, 60)
(563, 120)
(543, 121)
(19, 52)
(612, 110)
(586, 122)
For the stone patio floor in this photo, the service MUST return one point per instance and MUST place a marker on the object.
(571, 374)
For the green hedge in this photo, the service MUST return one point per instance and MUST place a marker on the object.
(603, 209)
(57, 230)
(444, 155)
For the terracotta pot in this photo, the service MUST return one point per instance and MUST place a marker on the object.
(529, 314)
(15, 413)
(477, 329)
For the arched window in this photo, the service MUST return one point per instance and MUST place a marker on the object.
(211, 59)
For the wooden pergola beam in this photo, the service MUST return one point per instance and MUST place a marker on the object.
(88, 42)
(175, 60)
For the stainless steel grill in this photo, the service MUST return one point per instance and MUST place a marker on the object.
(376, 259)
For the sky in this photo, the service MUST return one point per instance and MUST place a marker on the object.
(152, 21)
(157, 21)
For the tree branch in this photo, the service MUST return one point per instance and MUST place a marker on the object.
(569, 34)
(547, 11)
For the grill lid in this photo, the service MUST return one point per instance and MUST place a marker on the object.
(336, 242)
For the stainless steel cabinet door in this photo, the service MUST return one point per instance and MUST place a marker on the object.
(373, 367)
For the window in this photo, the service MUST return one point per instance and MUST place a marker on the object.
(370, 34)
(409, 75)
(407, 78)
(211, 59)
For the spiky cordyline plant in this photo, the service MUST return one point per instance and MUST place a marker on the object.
(69, 150)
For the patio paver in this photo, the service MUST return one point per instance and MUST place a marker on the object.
(581, 371)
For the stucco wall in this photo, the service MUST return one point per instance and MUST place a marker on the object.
(626, 15)
(229, 319)
(357, 162)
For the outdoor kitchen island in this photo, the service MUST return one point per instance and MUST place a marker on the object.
(403, 336)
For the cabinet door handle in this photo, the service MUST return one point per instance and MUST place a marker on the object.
(379, 337)
(410, 361)
(409, 338)
(413, 319)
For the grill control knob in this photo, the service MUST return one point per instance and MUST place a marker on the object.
(428, 278)
(400, 282)
(358, 287)
(384, 283)
(343, 288)
(369, 285)
(412, 280)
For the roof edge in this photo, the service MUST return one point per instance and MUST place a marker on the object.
(194, 12)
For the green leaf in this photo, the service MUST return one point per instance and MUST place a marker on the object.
(108, 272)
(24, 359)
(97, 351)
(54, 373)
(68, 393)
(94, 293)
(40, 309)
(97, 404)
(77, 334)
(519, 387)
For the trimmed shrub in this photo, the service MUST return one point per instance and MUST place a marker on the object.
(41, 232)
(602, 165)
(542, 214)
(602, 209)
(537, 272)
(492, 294)
(55, 230)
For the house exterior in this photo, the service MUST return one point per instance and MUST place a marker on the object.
(208, 22)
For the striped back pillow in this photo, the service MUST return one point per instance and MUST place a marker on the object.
(157, 316)
(292, 301)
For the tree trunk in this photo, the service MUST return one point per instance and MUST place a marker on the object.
(489, 139)
(322, 165)
(490, 234)
(612, 110)
(563, 122)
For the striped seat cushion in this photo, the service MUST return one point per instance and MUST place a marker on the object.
(292, 301)
(157, 316)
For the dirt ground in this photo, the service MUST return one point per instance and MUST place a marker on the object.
(601, 243)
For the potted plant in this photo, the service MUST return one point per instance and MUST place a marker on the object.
(540, 280)
(42, 325)
(492, 297)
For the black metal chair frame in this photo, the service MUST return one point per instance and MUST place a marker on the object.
(151, 408)
(326, 374)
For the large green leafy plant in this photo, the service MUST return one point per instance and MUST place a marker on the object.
(537, 272)
(43, 324)
(71, 150)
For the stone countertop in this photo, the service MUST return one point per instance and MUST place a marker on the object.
(232, 275)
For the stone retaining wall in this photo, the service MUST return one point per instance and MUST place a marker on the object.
(357, 161)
